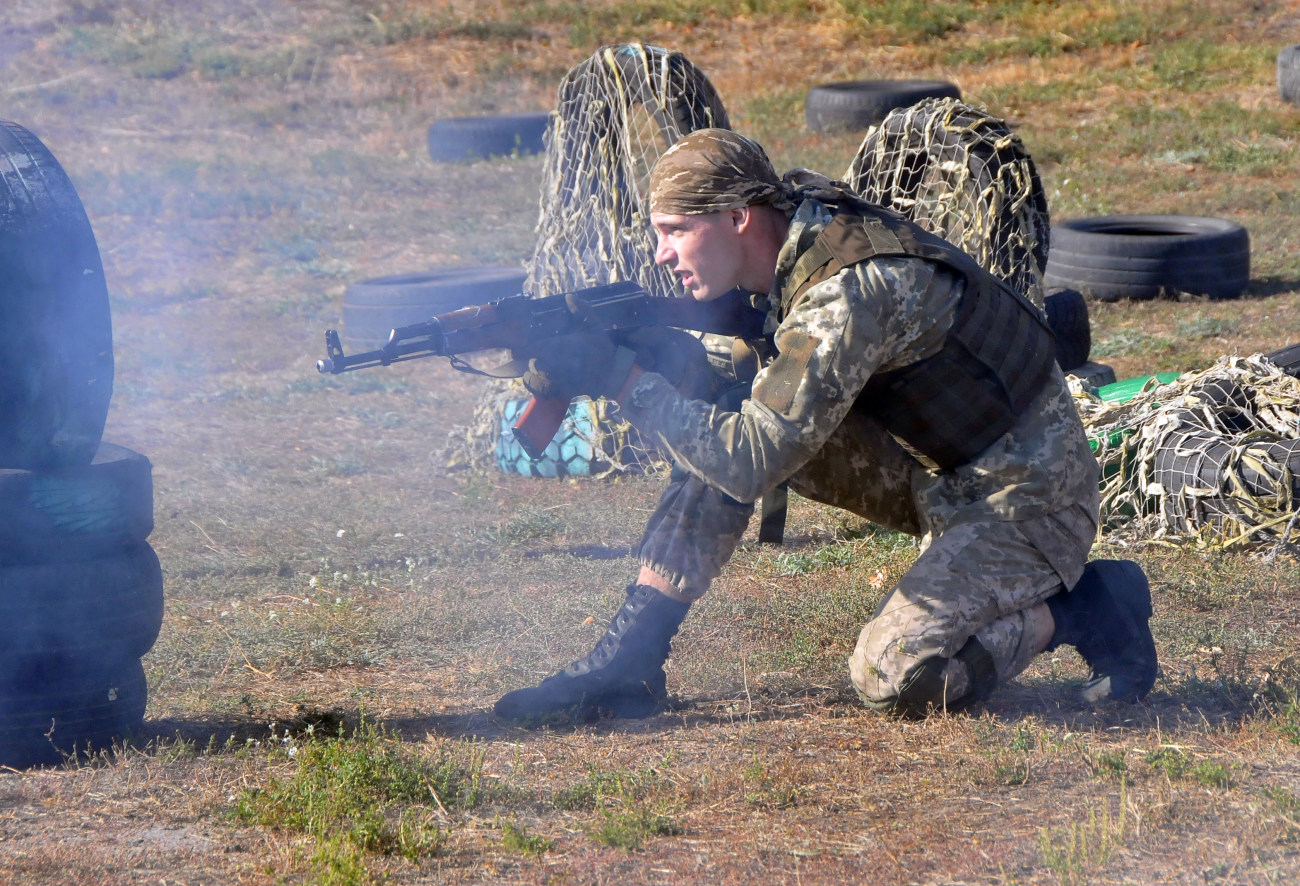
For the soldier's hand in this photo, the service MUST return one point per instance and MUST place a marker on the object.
(675, 354)
(584, 363)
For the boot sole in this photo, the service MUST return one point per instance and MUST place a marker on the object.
(532, 708)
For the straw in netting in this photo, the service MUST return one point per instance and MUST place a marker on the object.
(617, 112)
(960, 173)
(1211, 459)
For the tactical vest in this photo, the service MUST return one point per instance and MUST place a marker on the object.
(947, 408)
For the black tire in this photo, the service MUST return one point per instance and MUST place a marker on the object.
(373, 308)
(48, 713)
(462, 139)
(57, 376)
(1201, 459)
(92, 610)
(1288, 74)
(1067, 315)
(76, 513)
(1287, 359)
(861, 104)
(1114, 257)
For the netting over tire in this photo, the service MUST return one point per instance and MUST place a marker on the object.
(616, 113)
(961, 174)
(1212, 458)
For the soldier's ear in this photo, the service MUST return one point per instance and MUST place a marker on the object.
(742, 218)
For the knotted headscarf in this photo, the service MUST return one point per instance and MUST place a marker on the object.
(713, 170)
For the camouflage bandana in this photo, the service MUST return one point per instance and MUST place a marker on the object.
(713, 170)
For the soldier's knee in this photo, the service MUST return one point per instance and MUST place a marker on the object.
(928, 685)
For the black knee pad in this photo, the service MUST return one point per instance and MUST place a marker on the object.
(924, 691)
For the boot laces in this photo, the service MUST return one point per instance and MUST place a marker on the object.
(608, 645)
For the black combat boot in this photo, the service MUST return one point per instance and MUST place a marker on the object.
(1105, 617)
(622, 677)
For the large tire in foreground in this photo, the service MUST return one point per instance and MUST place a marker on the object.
(90, 611)
(373, 308)
(860, 104)
(76, 513)
(49, 713)
(56, 376)
(1115, 257)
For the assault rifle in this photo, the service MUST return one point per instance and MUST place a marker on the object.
(519, 322)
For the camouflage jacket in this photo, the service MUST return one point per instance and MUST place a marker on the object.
(878, 315)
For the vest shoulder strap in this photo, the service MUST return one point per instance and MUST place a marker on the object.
(864, 233)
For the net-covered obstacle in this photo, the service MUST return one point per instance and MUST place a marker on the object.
(1212, 458)
(618, 111)
(960, 173)
(616, 114)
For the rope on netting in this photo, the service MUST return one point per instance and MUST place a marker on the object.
(1211, 459)
(961, 174)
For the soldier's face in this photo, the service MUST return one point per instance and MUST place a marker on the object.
(705, 251)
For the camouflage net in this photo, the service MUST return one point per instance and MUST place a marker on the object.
(961, 174)
(617, 112)
(1212, 459)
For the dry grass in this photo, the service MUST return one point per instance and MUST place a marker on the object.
(243, 160)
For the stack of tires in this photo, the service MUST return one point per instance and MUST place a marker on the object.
(81, 592)
(1139, 257)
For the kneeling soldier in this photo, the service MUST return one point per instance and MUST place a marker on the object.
(902, 383)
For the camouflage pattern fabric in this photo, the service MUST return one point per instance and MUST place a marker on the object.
(978, 580)
(1000, 534)
(876, 316)
(692, 534)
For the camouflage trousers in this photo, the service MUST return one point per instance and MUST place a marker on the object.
(963, 618)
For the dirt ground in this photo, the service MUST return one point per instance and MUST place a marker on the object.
(242, 161)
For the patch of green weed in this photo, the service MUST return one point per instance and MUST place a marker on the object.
(631, 806)
(598, 785)
(908, 21)
(1206, 327)
(362, 794)
(1111, 764)
(630, 828)
(527, 524)
(515, 838)
(1211, 774)
(1286, 804)
(767, 789)
(1077, 851)
(1126, 342)
(1169, 761)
